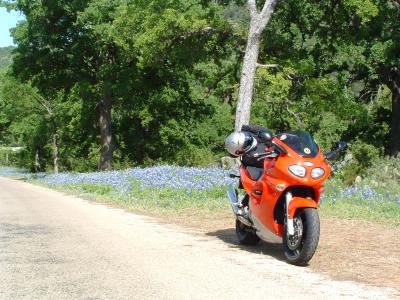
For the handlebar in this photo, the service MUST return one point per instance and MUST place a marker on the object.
(279, 148)
(271, 154)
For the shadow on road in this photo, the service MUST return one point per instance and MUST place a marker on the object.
(265, 248)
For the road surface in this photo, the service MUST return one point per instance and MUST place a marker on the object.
(55, 246)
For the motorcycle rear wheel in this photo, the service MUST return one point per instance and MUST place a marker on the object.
(300, 248)
(246, 235)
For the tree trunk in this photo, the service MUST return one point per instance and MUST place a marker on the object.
(258, 22)
(54, 145)
(107, 143)
(247, 79)
(38, 165)
(395, 124)
(47, 106)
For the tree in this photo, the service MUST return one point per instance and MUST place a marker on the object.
(73, 38)
(97, 18)
(47, 107)
(258, 22)
(182, 56)
(24, 120)
(354, 43)
(141, 68)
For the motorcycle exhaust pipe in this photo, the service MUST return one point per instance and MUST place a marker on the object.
(233, 197)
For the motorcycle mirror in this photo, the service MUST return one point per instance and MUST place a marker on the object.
(341, 146)
(337, 148)
(332, 155)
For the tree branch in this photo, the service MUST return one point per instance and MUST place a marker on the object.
(266, 12)
(46, 105)
(269, 66)
(298, 120)
(201, 32)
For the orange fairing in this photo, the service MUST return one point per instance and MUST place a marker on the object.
(247, 182)
(266, 193)
(281, 166)
(298, 202)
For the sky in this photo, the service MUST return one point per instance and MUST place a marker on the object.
(7, 21)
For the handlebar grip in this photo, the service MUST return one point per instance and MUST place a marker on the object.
(260, 156)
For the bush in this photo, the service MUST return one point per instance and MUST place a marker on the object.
(364, 155)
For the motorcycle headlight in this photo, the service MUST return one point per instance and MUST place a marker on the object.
(298, 170)
(317, 173)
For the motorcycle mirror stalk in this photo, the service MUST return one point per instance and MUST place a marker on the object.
(337, 149)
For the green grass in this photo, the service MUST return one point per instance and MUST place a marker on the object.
(151, 199)
(387, 213)
(377, 208)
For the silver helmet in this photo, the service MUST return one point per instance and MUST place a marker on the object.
(238, 143)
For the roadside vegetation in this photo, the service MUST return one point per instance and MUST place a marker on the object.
(172, 190)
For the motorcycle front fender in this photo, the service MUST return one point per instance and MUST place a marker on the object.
(299, 202)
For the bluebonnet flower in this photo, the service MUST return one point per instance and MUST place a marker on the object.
(159, 177)
(12, 172)
(350, 191)
(388, 196)
(368, 193)
(357, 194)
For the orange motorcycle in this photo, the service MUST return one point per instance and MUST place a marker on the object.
(282, 176)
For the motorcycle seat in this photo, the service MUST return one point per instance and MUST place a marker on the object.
(255, 173)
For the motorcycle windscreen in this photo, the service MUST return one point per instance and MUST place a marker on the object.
(301, 142)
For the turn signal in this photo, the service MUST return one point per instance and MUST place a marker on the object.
(280, 187)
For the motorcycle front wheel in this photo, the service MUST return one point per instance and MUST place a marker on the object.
(300, 247)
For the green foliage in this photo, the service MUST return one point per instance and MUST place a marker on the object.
(331, 129)
(172, 69)
(384, 175)
(364, 154)
(5, 56)
(366, 10)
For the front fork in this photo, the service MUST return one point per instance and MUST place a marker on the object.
(289, 221)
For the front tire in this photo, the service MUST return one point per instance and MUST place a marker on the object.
(300, 248)
(246, 235)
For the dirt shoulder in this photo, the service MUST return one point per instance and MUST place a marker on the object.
(348, 249)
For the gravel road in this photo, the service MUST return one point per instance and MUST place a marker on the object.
(54, 246)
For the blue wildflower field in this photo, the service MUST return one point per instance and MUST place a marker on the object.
(361, 202)
(161, 186)
(186, 178)
(12, 172)
(186, 187)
